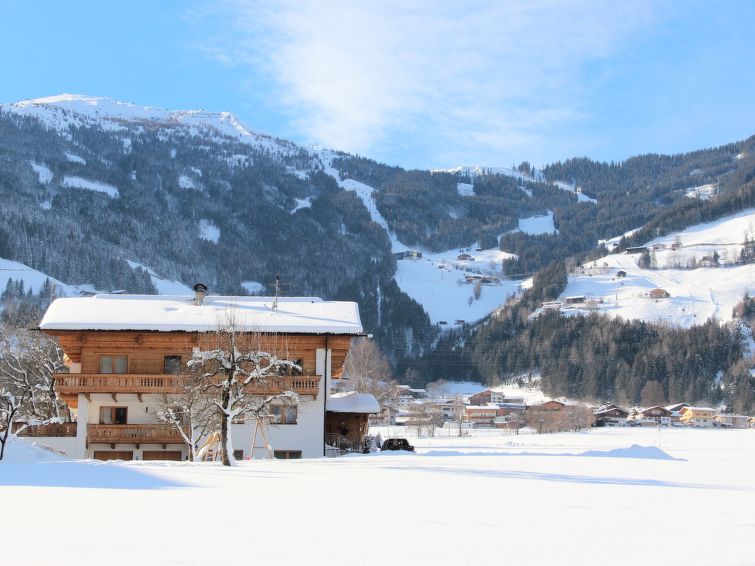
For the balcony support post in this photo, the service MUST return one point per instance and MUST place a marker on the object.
(82, 417)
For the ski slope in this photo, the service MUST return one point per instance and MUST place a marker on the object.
(695, 294)
(438, 283)
(437, 280)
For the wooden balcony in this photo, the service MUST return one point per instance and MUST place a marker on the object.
(301, 384)
(47, 430)
(133, 434)
(74, 383)
(71, 384)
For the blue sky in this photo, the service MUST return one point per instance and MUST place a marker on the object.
(420, 84)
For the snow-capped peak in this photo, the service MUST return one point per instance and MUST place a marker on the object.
(62, 111)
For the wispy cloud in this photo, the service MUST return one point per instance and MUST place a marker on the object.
(474, 81)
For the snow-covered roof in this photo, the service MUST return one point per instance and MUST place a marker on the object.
(309, 315)
(352, 403)
(488, 407)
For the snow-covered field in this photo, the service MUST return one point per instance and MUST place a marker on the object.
(535, 225)
(695, 294)
(437, 282)
(209, 231)
(570, 188)
(572, 498)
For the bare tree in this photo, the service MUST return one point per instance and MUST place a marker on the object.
(419, 417)
(10, 410)
(367, 370)
(459, 412)
(236, 365)
(28, 363)
(192, 411)
(516, 420)
(652, 394)
(29, 360)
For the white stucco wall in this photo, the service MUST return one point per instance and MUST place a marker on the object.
(307, 435)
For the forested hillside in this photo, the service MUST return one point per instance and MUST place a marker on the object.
(81, 202)
(111, 195)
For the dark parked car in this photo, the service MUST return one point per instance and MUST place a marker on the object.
(397, 444)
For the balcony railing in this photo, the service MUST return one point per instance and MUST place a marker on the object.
(74, 383)
(46, 430)
(133, 434)
(301, 384)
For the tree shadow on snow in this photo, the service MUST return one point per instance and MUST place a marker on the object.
(570, 478)
(97, 475)
(634, 451)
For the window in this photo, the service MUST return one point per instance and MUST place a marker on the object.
(172, 364)
(283, 414)
(113, 364)
(288, 370)
(299, 362)
(287, 454)
(113, 415)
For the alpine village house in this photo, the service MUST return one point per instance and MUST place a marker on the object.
(126, 353)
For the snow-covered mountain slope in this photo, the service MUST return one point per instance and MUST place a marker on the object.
(695, 294)
(571, 188)
(34, 280)
(477, 170)
(63, 111)
(467, 189)
(163, 286)
(535, 225)
(442, 283)
(445, 286)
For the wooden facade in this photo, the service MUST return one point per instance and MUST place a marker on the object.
(146, 353)
(127, 365)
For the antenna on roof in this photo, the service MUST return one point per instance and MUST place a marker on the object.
(277, 291)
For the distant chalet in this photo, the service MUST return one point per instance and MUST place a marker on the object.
(658, 293)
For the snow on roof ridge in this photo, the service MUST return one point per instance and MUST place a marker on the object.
(209, 298)
(353, 402)
(178, 313)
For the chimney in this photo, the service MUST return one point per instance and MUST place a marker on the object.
(200, 291)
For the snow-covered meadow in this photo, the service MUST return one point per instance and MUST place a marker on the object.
(695, 294)
(570, 498)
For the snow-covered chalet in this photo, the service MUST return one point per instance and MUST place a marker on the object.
(125, 353)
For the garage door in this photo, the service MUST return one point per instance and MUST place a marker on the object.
(113, 455)
(162, 455)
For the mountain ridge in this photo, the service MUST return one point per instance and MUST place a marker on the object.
(113, 201)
